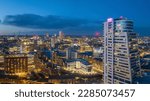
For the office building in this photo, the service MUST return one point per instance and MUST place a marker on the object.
(61, 35)
(77, 64)
(98, 52)
(53, 41)
(121, 56)
(71, 53)
(14, 64)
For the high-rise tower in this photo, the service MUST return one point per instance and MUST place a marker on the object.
(71, 53)
(121, 56)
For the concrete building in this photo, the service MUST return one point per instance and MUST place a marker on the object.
(71, 53)
(31, 61)
(53, 41)
(98, 52)
(61, 35)
(79, 64)
(14, 64)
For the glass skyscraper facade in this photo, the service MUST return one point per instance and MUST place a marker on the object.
(121, 56)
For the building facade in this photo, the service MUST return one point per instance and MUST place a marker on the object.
(14, 64)
(79, 64)
(121, 56)
(71, 53)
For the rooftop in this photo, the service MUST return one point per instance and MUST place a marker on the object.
(87, 53)
(79, 59)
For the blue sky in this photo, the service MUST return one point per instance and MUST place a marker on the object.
(72, 16)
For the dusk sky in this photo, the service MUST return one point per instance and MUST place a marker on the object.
(71, 16)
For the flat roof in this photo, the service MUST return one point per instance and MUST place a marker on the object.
(85, 62)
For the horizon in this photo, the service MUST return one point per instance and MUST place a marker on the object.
(72, 17)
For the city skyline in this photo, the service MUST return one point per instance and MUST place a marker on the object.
(73, 17)
(117, 57)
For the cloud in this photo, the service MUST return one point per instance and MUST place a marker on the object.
(43, 22)
(32, 22)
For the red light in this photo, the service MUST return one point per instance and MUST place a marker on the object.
(97, 34)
